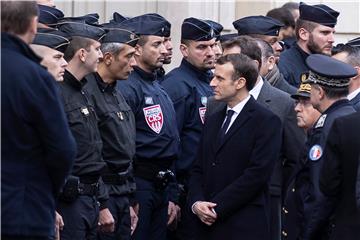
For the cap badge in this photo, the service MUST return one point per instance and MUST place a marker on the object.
(212, 33)
(304, 76)
(132, 36)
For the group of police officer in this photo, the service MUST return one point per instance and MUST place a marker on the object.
(110, 145)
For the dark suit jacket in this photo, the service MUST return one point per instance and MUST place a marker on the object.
(338, 180)
(235, 174)
(356, 102)
(293, 137)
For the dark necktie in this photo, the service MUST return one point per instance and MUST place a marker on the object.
(225, 126)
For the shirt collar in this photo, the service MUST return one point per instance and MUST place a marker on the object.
(257, 88)
(353, 94)
(239, 107)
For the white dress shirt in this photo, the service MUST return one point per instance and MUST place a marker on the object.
(257, 88)
(353, 94)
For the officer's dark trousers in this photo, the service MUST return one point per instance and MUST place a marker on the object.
(119, 208)
(153, 205)
(275, 217)
(80, 218)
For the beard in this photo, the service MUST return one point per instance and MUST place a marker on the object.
(316, 48)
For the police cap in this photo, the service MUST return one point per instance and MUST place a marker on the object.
(120, 36)
(79, 29)
(147, 24)
(49, 15)
(217, 28)
(197, 30)
(227, 37)
(167, 30)
(51, 38)
(258, 25)
(91, 18)
(117, 17)
(303, 91)
(354, 42)
(319, 13)
(328, 71)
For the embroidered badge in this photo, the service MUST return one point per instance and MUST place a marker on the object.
(149, 101)
(85, 111)
(315, 152)
(204, 101)
(321, 121)
(202, 111)
(154, 117)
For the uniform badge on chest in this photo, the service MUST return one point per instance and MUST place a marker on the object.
(85, 111)
(315, 152)
(202, 111)
(154, 117)
(204, 101)
(149, 101)
(321, 121)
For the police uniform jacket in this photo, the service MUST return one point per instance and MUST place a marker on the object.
(116, 124)
(338, 181)
(188, 88)
(157, 139)
(38, 149)
(235, 173)
(307, 181)
(292, 64)
(82, 120)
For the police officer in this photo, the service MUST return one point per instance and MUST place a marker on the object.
(157, 138)
(350, 54)
(329, 80)
(50, 44)
(78, 203)
(117, 127)
(188, 86)
(38, 149)
(315, 34)
(306, 115)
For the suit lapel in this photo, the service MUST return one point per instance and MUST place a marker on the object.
(241, 119)
(217, 120)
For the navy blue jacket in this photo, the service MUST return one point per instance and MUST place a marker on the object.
(188, 88)
(356, 102)
(235, 174)
(338, 181)
(157, 138)
(37, 149)
(292, 64)
(307, 181)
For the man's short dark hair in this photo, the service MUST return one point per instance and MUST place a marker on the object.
(244, 67)
(291, 5)
(353, 54)
(16, 16)
(248, 46)
(283, 15)
(143, 39)
(308, 25)
(333, 93)
(77, 43)
(266, 49)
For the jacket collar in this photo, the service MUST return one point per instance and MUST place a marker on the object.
(103, 86)
(72, 81)
(202, 75)
(13, 42)
(145, 75)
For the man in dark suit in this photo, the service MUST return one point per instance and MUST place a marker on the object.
(282, 105)
(229, 183)
(339, 176)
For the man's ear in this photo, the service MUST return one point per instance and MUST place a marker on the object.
(271, 62)
(81, 54)
(184, 50)
(138, 50)
(241, 82)
(108, 58)
(304, 34)
(321, 93)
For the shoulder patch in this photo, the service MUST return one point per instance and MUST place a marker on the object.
(315, 152)
(321, 121)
